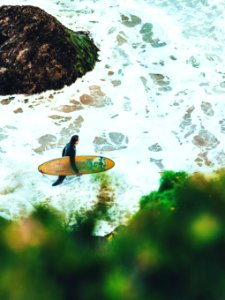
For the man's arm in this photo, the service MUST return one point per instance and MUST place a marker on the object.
(73, 163)
(72, 155)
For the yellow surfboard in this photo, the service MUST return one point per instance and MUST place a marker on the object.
(86, 165)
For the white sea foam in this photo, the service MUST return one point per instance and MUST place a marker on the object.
(164, 104)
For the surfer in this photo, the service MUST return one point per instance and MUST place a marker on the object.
(69, 150)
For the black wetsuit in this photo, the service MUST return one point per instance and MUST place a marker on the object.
(68, 150)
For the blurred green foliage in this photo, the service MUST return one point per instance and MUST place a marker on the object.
(165, 196)
(173, 248)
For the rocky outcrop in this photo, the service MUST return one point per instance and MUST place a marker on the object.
(38, 53)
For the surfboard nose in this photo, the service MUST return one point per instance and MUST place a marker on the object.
(109, 163)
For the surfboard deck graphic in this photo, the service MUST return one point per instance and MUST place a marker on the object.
(86, 164)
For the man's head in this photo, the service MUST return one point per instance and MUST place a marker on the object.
(74, 140)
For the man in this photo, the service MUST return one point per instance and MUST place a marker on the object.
(69, 150)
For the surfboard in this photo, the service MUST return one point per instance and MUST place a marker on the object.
(86, 164)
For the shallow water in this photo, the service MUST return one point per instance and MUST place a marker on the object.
(155, 101)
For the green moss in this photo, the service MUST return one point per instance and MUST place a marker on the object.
(86, 51)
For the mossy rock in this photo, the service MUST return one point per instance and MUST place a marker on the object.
(38, 53)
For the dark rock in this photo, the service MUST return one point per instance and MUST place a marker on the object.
(18, 110)
(116, 82)
(205, 140)
(96, 98)
(155, 148)
(202, 160)
(114, 141)
(207, 108)
(158, 163)
(130, 21)
(5, 101)
(222, 125)
(3, 134)
(38, 53)
(69, 108)
(47, 141)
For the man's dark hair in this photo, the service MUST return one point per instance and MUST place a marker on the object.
(74, 139)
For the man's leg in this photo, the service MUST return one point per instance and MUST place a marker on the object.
(59, 180)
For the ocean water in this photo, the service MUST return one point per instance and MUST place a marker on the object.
(155, 101)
